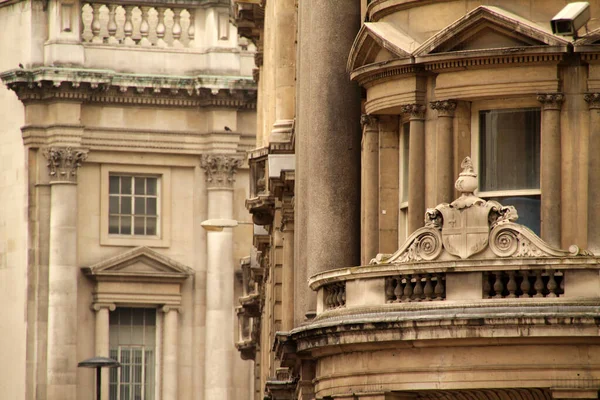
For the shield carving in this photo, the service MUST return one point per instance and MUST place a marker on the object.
(465, 231)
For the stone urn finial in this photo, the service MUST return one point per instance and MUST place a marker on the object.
(467, 179)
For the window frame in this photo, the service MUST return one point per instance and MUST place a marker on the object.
(501, 104)
(163, 236)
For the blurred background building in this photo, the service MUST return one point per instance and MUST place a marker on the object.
(366, 114)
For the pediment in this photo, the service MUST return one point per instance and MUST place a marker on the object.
(589, 39)
(379, 42)
(139, 263)
(489, 28)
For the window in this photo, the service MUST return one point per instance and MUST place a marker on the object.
(132, 335)
(133, 205)
(403, 217)
(508, 149)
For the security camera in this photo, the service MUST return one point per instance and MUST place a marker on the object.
(568, 21)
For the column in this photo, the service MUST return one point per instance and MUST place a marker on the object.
(63, 163)
(388, 186)
(170, 350)
(593, 100)
(550, 167)
(102, 340)
(220, 172)
(444, 150)
(416, 166)
(370, 189)
(287, 284)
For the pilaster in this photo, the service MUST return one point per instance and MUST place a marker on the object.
(287, 284)
(170, 350)
(444, 149)
(550, 167)
(593, 100)
(102, 339)
(388, 205)
(369, 188)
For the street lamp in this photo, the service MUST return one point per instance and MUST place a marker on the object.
(218, 224)
(99, 363)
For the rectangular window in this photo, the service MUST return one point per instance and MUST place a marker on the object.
(132, 335)
(509, 160)
(133, 205)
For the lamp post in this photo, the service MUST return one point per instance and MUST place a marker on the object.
(99, 363)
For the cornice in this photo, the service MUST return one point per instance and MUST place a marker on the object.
(106, 86)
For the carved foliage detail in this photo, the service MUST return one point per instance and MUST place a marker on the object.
(551, 101)
(416, 111)
(63, 162)
(220, 170)
(445, 108)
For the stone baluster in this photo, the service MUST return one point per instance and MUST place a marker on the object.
(176, 30)
(550, 167)
(145, 27)
(440, 288)
(96, 26)
(525, 284)
(539, 284)
(408, 289)
(399, 289)
(511, 286)
(444, 151)
(192, 28)
(552, 285)
(161, 28)
(63, 271)
(128, 27)
(498, 285)
(428, 289)
(418, 290)
(112, 24)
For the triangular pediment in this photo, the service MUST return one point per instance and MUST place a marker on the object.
(489, 28)
(139, 263)
(589, 39)
(379, 42)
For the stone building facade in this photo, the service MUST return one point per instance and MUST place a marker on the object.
(378, 275)
(124, 127)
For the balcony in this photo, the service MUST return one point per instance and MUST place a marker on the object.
(471, 300)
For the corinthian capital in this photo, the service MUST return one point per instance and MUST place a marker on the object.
(63, 162)
(220, 170)
(593, 100)
(445, 108)
(368, 121)
(551, 101)
(416, 111)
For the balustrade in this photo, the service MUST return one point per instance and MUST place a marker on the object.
(525, 283)
(137, 25)
(415, 287)
(335, 295)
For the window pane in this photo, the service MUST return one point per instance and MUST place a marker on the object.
(528, 209)
(139, 226)
(509, 149)
(126, 184)
(139, 185)
(113, 185)
(151, 206)
(126, 225)
(113, 205)
(125, 205)
(113, 225)
(151, 186)
(151, 226)
(140, 205)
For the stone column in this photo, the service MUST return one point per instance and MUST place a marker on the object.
(102, 340)
(416, 166)
(220, 172)
(388, 184)
(444, 150)
(63, 163)
(593, 100)
(287, 284)
(550, 167)
(370, 189)
(170, 349)
(328, 143)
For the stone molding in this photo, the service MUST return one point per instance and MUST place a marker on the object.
(220, 170)
(106, 86)
(551, 101)
(445, 108)
(287, 213)
(100, 306)
(63, 163)
(593, 100)
(416, 111)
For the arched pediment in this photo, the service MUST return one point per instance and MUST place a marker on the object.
(379, 42)
(490, 28)
(140, 263)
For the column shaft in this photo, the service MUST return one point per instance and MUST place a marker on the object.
(388, 184)
(444, 150)
(285, 58)
(416, 166)
(62, 288)
(370, 189)
(170, 350)
(550, 168)
(287, 286)
(102, 342)
(594, 174)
